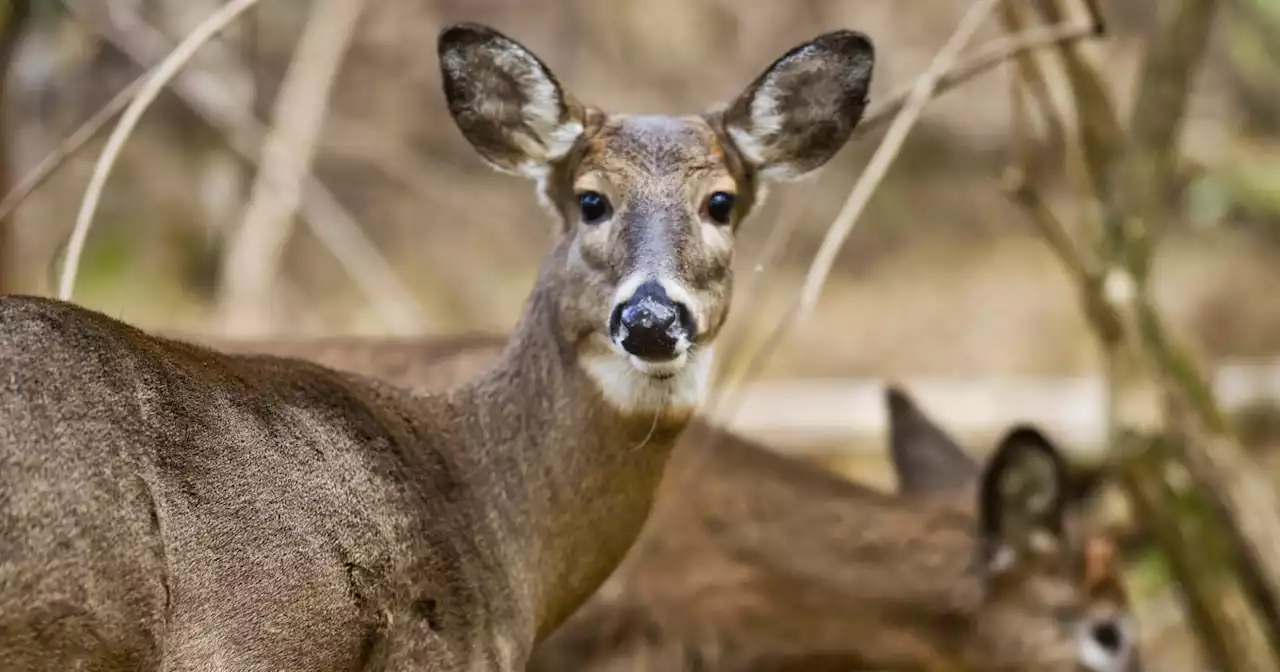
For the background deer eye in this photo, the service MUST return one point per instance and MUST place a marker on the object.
(720, 207)
(593, 206)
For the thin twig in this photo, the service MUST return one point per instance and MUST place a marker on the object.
(147, 94)
(731, 344)
(14, 19)
(1031, 76)
(1215, 458)
(885, 154)
(1019, 180)
(921, 92)
(73, 143)
(1025, 195)
(984, 60)
(990, 56)
(1101, 136)
(327, 218)
(253, 256)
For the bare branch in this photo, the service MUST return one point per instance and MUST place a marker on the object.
(147, 94)
(1019, 179)
(1024, 194)
(1129, 172)
(922, 91)
(73, 143)
(13, 21)
(986, 59)
(1031, 76)
(329, 221)
(1218, 604)
(885, 154)
(1101, 136)
(1165, 84)
(253, 256)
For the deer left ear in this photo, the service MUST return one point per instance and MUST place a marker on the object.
(506, 101)
(925, 458)
(1022, 499)
(797, 114)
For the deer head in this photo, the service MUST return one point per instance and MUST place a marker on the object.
(1048, 598)
(649, 205)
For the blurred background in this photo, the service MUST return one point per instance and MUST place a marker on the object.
(942, 280)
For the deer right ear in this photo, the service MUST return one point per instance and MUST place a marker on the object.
(804, 107)
(505, 100)
(927, 461)
(1022, 499)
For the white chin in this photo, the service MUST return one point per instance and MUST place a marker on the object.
(665, 369)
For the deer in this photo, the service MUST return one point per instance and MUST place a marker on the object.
(713, 583)
(170, 507)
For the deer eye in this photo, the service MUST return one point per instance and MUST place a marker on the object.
(720, 207)
(593, 206)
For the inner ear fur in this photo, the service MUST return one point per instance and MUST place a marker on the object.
(925, 458)
(506, 101)
(803, 108)
(1024, 492)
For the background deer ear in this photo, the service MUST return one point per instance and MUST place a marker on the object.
(505, 100)
(1022, 498)
(926, 460)
(800, 112)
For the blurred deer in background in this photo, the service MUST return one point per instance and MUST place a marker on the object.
(769, 563)
(170, 507)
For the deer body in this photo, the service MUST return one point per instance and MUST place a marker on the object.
(167, 507)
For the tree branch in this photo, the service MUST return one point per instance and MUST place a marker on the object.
(329, 221)
(13, 20)
(253, 257)
(921, 92)
(147, 94)
(1129, 171)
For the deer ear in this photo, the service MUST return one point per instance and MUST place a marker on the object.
(800, 112)
(506, 102)
(925, 458)
(1022, 498)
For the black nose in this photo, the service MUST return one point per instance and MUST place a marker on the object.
(1107, 634)
(649, 324)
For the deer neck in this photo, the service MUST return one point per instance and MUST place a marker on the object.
(569, 475)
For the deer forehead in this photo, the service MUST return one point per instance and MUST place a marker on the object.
(639, 151)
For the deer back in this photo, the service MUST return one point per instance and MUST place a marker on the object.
(423, 363)
(760, 562)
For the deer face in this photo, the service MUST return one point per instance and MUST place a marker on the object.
(1050, 602)
(649, 205)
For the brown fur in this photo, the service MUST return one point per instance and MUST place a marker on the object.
(756, 561)
(165, 506)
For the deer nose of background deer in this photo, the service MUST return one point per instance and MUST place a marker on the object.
(650, 325)
(1106, 646)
